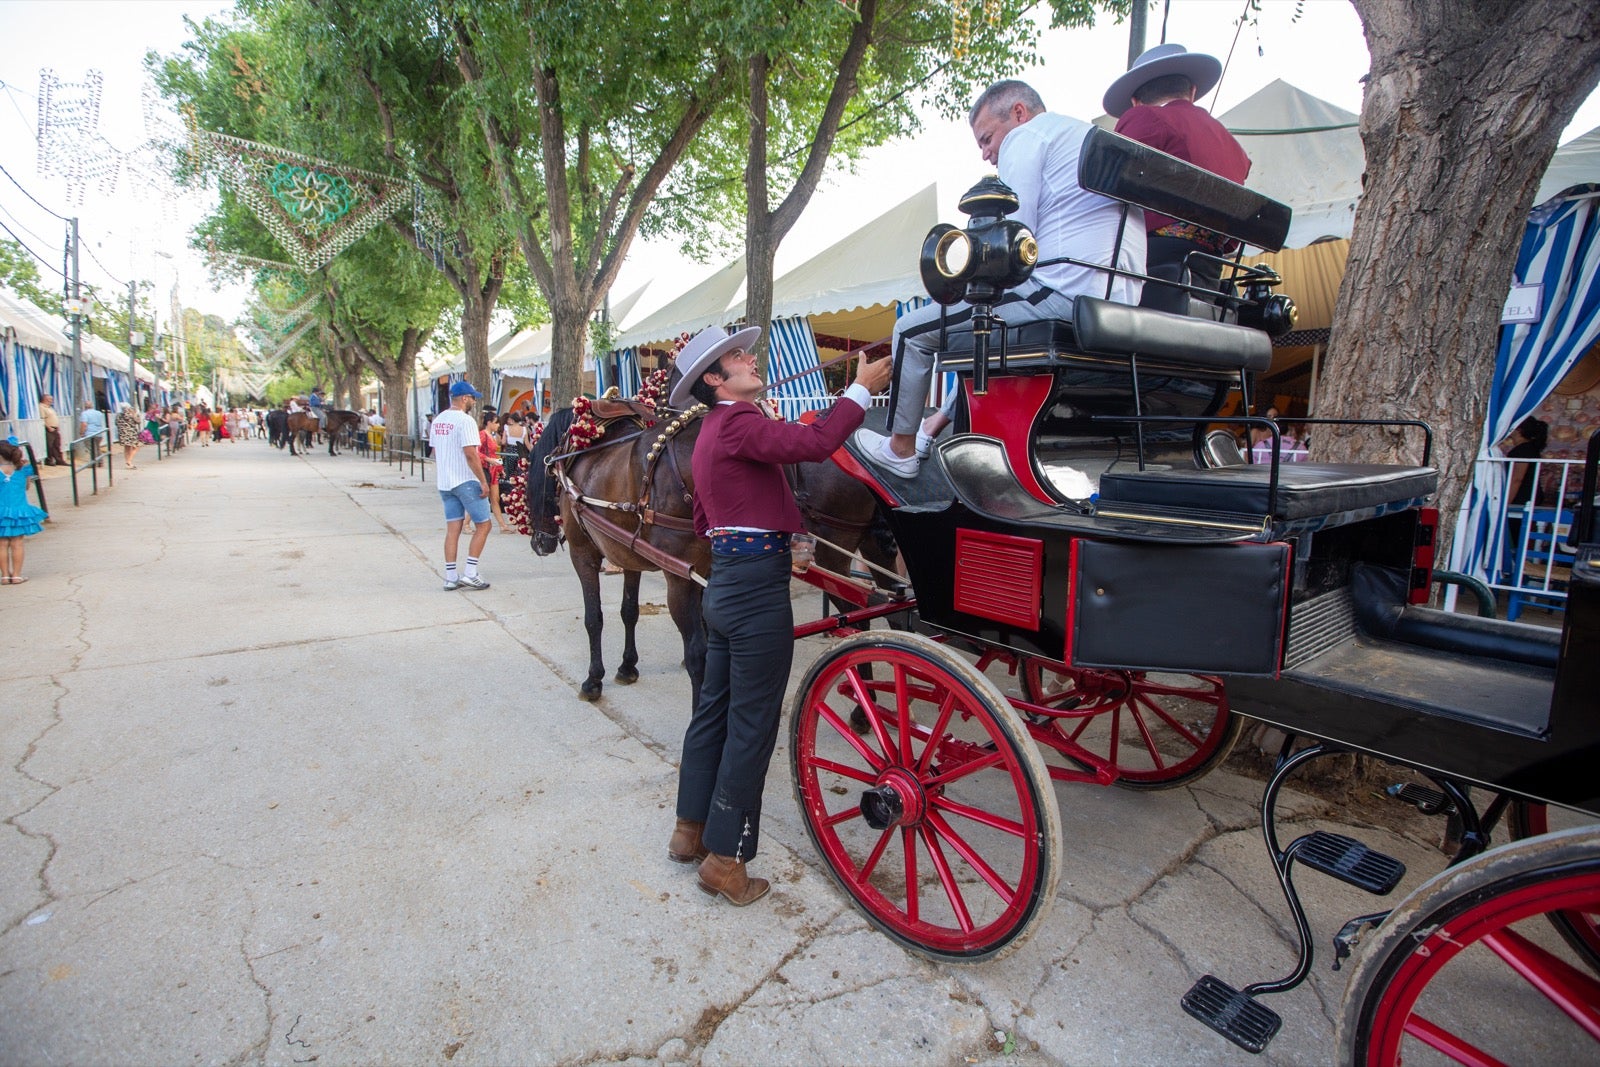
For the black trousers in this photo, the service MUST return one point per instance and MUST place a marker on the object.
(1164, 258)
(52, 447)
(749, 649)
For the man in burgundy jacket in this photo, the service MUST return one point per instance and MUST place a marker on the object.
(743, 503)
(1154, 105)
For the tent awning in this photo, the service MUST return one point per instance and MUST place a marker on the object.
(874, 266)
(704, 305)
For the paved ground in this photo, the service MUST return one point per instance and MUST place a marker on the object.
(270, 795)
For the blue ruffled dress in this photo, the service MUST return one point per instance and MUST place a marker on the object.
(18, 518)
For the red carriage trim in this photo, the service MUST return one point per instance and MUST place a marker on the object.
(1007, 413)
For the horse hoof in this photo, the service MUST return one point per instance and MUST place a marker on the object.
(589, 694)
(859, 723)
(627, 677)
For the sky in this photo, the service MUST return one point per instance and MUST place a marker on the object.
(138, 228)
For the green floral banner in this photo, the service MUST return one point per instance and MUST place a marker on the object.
(316, 209)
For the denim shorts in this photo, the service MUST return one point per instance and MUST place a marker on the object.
(465, 499)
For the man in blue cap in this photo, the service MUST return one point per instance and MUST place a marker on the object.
(463, 486)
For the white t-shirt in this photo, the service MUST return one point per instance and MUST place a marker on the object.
(375, 420)
(1039, 160)
(451, 432)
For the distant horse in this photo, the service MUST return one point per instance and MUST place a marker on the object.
(277, 427)
(625, 468)
(304, 422)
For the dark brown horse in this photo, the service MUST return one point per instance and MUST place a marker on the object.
(629, 498)
(624, 498)
(304, 422)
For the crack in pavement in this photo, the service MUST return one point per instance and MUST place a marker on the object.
(62, 691)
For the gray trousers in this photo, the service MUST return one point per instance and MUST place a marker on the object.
(726, 750)
(916, 343)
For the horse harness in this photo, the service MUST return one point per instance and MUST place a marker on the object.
(590, 510)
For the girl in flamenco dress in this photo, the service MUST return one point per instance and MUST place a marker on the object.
(18, 518)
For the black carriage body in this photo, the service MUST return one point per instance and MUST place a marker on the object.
(1298, 582)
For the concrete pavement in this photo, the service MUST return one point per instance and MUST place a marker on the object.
(270, 795)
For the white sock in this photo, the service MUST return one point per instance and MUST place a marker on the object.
(449, 572)
(472, 567)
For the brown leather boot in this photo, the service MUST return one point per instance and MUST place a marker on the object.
(725, 876)
(686, 846)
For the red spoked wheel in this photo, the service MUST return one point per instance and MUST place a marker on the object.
(1155, 731)
(939, 821)
(1458, 972)
(1580, 929)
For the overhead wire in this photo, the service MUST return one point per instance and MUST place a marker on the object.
(29, 195)
(24, 245)
(18, 223)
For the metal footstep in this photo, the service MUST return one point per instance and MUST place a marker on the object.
(1428, 801)
(1236, 1016)
(1349, 860)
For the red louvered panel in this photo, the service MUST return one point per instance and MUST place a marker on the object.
(998, 576)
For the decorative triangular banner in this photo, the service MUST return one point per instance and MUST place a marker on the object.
(280, 321)
(316, 209)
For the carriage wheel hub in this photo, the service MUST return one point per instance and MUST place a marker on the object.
(897, 800)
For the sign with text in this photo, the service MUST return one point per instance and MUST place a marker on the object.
(1523, 305)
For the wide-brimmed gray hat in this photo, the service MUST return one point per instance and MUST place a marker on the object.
(704, 349)
(1205, 71)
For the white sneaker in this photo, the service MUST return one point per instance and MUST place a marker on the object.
(472, 582)
(876, 446)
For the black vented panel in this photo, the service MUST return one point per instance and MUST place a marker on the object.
(1319, 624)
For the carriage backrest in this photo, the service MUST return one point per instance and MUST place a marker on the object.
(1124, 169)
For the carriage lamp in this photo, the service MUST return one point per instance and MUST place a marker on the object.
(992, 254)
(1272, 313)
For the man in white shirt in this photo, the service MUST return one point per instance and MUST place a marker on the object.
(1036, 153)
(92, 424)
(462, 485)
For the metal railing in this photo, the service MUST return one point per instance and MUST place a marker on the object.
(408, 452)
(1535, 556)
(98, 445)
(38, 482)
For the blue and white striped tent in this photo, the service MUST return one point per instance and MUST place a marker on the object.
(791, 350)
(1561, 253)
(621, 369)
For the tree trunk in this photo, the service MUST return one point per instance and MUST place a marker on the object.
(765, 230)
(1463, 108)
(569, 337)
(760, 248)
(475, 314)
(397, 393)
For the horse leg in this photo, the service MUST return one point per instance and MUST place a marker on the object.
(588, 567)
(683, 604)
(628, 670)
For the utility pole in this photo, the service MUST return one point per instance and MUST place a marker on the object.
(75, 314)
(135, 339)
(1136, 25)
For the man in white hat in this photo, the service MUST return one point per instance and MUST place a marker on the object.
(1036, 153)
(744, 504)
(1154, 104)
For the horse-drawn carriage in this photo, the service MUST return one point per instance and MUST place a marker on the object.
(1089, 533)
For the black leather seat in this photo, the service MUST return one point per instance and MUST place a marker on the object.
(1114, 329)
(1305, 490)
